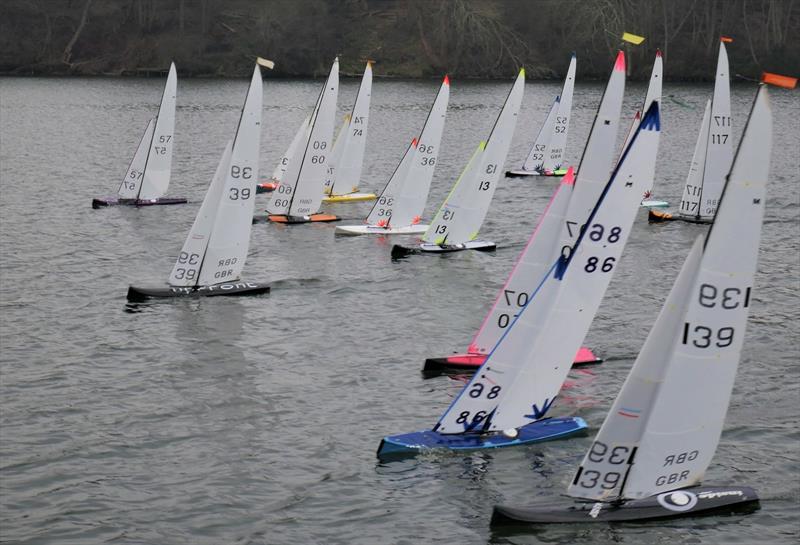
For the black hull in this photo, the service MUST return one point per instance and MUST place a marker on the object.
(399, 251)
(136, 294)
(113, 201)
(659, 216)
(688, 502)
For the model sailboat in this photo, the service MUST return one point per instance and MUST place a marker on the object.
(399, 207)
(344, 170)
(215, 251)
(280, 168)
(557, 229)
(508, 398)
(712, 158)
(455, 226)
(653, 94)
(298, 197)
(546, 157)
(532, 263)
(147, 178)
(657, 442)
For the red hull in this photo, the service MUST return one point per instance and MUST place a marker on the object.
(469, 363)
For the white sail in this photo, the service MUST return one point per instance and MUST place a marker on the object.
(230, 239)
(280, 168)
(532, 265)
(554, 158)
(462, 214)
(348, 169)
(598, 155)
(187, 266)
(411, 194)
(281, 195)
(653, 93)
(159, 159)
(384, 206)
(524, 372)
(306, 198)
(685, 422)
(534, 162)
(129, 188)
(690, 201)
(719, 152)
(604, 468)
(334, 159)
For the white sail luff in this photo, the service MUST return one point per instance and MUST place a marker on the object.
(554, 158)
(347, 175)
(688, 414)
(334, 160)
(598, 156)
(283, 164)
(531, 266)
(719, 150)
(281, 196)
(230, 238)
(613, 449)
(690, 200)
(534, 162)
(413, 192)
(308, 191)
(159, 158)
(654, 87)
(462, 214)
(129, 188)
(187, 266)
(385, 205)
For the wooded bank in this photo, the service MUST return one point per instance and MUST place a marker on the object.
(407, 38)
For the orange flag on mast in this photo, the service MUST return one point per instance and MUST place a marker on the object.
(779, 81)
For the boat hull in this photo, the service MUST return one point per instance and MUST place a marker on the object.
(266, 187)
(428, 248)
(660, 216)
(354, 230)
(293, 220)
(699, 500)
(137, 294)
(654, 204)
(410, 444)
(469, 363)
(522, 173)
(102, 202)
(350, 197)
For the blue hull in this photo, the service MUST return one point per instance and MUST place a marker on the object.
(409, 444)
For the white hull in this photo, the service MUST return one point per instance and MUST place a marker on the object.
(523, 173)
(443, 249)
(654, 204)
(374, 230)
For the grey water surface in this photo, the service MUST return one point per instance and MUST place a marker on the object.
(256, 420)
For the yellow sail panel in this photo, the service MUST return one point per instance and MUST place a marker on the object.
(632, 38)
